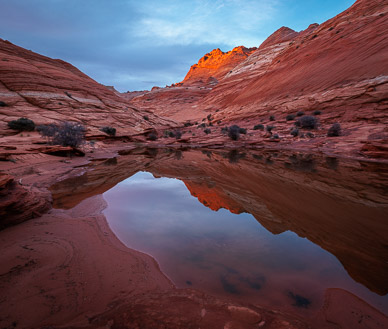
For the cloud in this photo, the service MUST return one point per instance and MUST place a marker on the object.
(227, 22)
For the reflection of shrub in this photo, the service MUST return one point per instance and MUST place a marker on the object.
(234, 156)
(152, 136)
(307, 121)
(334, 130)
(258, 127)
(109, 130)
(22, 124)
(207, 131)
(290, 117)
(234, 132)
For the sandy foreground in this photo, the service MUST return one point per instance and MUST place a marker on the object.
(66, 269)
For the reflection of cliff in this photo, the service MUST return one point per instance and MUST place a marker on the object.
(340, 206)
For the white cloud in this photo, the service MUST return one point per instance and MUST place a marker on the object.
(224, 22)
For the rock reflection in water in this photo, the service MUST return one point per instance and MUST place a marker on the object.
(339, 205)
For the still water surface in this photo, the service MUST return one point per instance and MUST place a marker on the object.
(223, 253)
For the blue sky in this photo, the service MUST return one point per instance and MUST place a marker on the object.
(135, 45)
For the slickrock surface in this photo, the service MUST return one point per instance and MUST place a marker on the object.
(49, 90)
(339, 68)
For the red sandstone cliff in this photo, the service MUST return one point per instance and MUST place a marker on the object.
(49, 90)
(339, 68)
(214, 65)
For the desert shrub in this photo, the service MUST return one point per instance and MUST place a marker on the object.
(202, 125)
(209, 117)
(317, 112)
(109, 130)
(178, 134)
(334, 130)
(269, 128)
(272, 118)
(171, 134)
(275, 136)
(234, 132)
(48, 130)
(294, 132)
(258, 127)
(310, 135)
(299, 113)
(152, 136)
(2, 104)
(242, 131)
(290, 117)
(22, 124)
(307, 121)
(224, 130)
(145, 117)
(69, 134)
(207, 131)
(188, 124)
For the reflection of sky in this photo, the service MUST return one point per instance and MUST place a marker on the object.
(135, 45)
(190, 241)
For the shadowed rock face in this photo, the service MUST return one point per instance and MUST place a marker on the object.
(339, 205)
(50, 90)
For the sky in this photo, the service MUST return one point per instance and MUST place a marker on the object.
(135, 45)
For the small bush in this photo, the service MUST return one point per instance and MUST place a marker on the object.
(307, 122)
(299, 114)
(294, 132)
(202, 125)
(242, 131)
(47, 130)
(275, 136)
(272, 118)
(171, 134)
(269, 128)
(209, 117)
(3, 104)
(310, 135)
(109, 130)
(258, 127)
(69, 134)
(152, 136)
(317, 112)
(145, 117)
(207, 131)
(178, 134)
(334, 130)
(290, 117)
(22, 124)
(188, 124)
(224, 130)
(234, 132)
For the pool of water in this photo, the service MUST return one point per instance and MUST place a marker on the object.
(224, 253)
